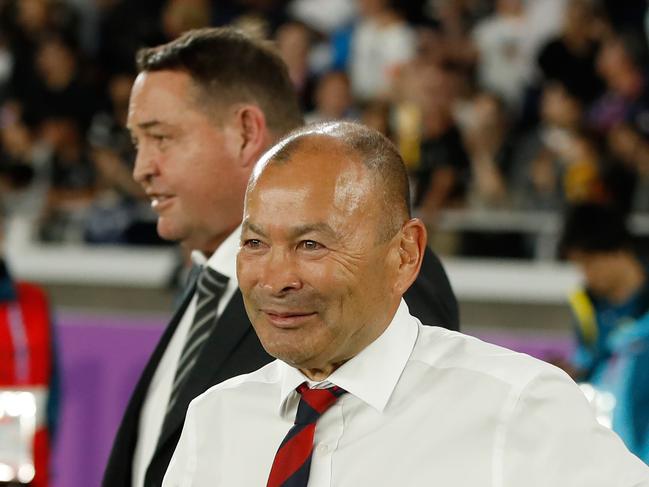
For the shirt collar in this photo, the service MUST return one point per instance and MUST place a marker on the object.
(224, 258)
(372, 375)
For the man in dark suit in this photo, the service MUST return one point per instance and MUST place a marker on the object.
(203, 109)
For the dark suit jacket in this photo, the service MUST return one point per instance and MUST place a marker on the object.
(233, 349)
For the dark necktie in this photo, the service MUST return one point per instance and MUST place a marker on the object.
(210, 287)
(293, 458)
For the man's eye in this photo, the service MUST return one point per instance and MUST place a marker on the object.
(310, 245)
(252, 243)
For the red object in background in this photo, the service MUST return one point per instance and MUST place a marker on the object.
(26, 358)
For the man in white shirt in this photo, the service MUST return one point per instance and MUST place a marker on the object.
(327, 250)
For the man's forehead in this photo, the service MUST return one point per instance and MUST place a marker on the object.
(315, 159)
(316, 177)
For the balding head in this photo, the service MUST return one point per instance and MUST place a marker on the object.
(356, 143)
(318, 284)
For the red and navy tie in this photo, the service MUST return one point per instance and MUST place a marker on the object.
(293, 458)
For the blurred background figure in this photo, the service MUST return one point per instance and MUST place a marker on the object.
(570, 57)
(29, 388)
(294, 40)
(503, 65)
(380, 43)
(487, 138)
(555, 162)
(72, 181)
(442, 173)
(611, 319)
(333, 99)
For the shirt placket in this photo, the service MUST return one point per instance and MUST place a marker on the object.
(328, 432)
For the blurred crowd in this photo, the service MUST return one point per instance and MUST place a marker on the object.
(507, 104)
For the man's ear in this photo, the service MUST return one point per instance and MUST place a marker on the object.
(412, 244)
(254, 137)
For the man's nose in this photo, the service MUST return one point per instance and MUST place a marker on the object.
(145, 166)
(280, 273)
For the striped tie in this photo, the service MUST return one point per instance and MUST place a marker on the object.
(209, 290)
(293, 458)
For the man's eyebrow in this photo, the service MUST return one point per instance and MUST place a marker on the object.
(246, 225)
(313, 227)
(294, 232)
(149, 124)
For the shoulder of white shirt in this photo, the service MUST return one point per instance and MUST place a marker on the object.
(445, 349)
(437, 348)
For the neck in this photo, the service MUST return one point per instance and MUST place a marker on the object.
(320, 374)
(368, 335)
(208, 244)
(207, 248)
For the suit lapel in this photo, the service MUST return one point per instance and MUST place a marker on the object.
(121, 457)
(228, 330)
(145, 380)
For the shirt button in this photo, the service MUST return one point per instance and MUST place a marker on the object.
(322, 448)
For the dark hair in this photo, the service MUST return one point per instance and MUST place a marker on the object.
(376, 152)
(229, 67)
(591, 227)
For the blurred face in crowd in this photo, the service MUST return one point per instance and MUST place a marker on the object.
(333, 96)
(579, 17)
(119, 88)
(319, 284)
(292, 41)
(615, 65)
(600, 269)
(559, 108)
(179, 16)
(187, 161)
(32, 15)
(56, 63)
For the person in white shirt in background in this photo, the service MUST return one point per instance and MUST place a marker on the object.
(328, 247)
(381, 42)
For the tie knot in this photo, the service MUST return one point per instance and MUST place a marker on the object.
(211, 282)
(314, 402)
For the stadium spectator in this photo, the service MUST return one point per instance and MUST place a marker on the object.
(611, 318)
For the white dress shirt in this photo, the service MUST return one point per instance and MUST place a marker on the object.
(155, 404)
(425, 406)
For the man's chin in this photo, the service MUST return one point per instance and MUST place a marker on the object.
(168, 231)
(291, 355)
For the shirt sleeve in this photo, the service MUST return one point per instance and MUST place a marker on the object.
(552, 437)
(182, 467)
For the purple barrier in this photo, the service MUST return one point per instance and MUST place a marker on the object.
(100, 359)
(538, 344)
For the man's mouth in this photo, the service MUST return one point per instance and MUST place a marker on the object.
(158, 201)
(287, 319)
